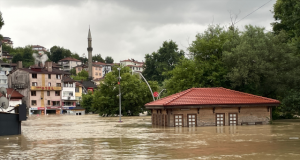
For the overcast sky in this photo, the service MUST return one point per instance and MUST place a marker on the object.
(122, 28)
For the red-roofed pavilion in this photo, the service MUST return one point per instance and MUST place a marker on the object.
(211, 106)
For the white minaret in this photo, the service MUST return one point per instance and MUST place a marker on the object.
(90, 49)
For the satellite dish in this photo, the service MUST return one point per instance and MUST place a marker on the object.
(3, 91)
(3, 102)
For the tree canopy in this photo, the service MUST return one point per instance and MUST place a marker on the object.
(109, 59)
(161, 61)
(98, 58)
(134, 93)
(1, 23)
(83, 75)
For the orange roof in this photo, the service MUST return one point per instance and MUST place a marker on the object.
(15, 94)
(212, 96)
(69, 59)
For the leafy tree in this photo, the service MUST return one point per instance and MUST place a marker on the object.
(134, 93)
(17, 57)
(73, 71)
(75, 55)
(291, 103)
(161, 61)
(83, 75)
(286, 15)
(5, 60)
(262, 63)
(1, 23)
(58, 53)
(87, 102)
(109, 59)
(98, 58)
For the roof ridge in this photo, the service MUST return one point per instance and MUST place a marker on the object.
(179, 95)
(270, 99)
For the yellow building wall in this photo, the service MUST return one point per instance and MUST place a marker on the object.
(79, 94)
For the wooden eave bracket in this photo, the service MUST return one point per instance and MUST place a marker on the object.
(214, 109)
(198, 110)
(268, 109)
(239, 109)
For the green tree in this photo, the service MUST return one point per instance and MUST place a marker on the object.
(1, 24)
(262, 63)
(5, 60)
(98, 58)
(73, 71)
(109, 59)
(291, 103)
(17, 57)
(87, 102)
(134, 93)
(83, 75)
(28, 60)
(161, 61)
(286, 15)
(57, 53)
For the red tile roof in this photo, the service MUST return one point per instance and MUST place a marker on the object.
(69, 59)
(211, 96)
(15, 94)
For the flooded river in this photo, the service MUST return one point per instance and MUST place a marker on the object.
(94, 137)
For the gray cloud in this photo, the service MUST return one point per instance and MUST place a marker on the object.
(122, 28)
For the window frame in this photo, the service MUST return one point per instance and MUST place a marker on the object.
(34, 75)
(48, 93)
(33, 101)
(219, 120)
(57, 92)
(49, 76)
(229, 121)
(188, 121)
(178, 121)
(58, 85)
(32, 84)
(33, 93)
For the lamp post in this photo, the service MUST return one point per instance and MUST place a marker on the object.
(147, 84)
(119, 94)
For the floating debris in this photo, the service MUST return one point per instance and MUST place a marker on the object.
(294, 138)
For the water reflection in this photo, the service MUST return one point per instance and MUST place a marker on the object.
(94, 137)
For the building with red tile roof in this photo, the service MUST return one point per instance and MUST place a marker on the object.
(211, 106)
(14, 97)
(69, 63)
(133, 64)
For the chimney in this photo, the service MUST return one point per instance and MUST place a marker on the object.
(48, 66)
(19, 64)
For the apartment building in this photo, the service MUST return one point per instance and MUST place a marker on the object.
(68, 94)
(41, 87)
(134, 65)
(39, 49)
(99, 69)
(69, 63)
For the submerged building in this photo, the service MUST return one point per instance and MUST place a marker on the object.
(211, 107)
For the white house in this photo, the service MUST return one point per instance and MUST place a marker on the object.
(133, 65)
(14, 98)
(68, 95)
(69, 63)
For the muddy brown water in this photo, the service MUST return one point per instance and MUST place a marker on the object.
(94, 137)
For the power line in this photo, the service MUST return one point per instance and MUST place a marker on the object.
(252, 12)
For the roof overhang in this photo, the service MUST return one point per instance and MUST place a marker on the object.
(210, 106)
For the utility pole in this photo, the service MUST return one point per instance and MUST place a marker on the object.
(119, 95)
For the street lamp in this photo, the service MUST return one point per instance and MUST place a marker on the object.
(146, 83)
(119, 95)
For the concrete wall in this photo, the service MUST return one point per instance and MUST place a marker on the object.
(207, 117)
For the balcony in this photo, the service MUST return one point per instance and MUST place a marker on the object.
(71, 98)
(66, 64)
(42, 88)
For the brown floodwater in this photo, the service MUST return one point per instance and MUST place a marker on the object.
(94, 137)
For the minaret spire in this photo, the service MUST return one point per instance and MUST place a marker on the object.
(90, 49)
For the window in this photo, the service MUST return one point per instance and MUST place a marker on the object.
(67, 93)
(58, 84)
(33, 93)
(34, 75)
(233, 120)
(192, 120)
(77, 89)
(68, 104)
(48, 93)
(57, 93)
(33, 102)
(34, 83)
(96, 68)
(56, 103)
(99, 74)
(49, 103)
(220, 119)
(49, 83)
(58, 76)
(178, 120)
(79, 69)
(78, 98)
(96, 74)
(49, 76)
